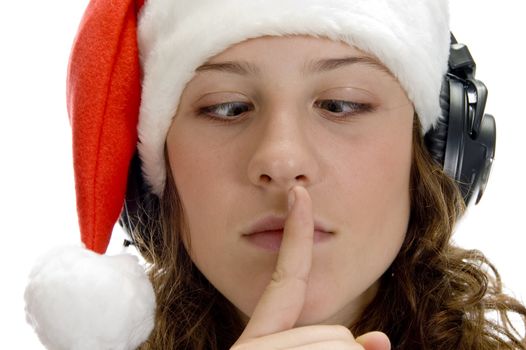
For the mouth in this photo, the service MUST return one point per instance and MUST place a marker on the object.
(271, 240)
(267, 233)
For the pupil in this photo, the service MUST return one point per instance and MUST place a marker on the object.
(334, 106)
(237, 109)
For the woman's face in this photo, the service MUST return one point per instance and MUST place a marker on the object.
(273, 112)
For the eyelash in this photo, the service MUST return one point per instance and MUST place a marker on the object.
(210, 112)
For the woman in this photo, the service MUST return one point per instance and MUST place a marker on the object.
(290, 200)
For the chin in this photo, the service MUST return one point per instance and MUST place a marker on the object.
(324, 307)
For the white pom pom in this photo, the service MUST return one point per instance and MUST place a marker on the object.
(79, 300)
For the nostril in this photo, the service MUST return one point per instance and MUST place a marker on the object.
(265, 178)
(301, 178)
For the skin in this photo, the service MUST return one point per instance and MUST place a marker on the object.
(349, 164)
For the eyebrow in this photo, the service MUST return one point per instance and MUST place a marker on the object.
(241, 68)
(311, 67)
(330, 64)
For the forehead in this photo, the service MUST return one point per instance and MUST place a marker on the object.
(288, 41)
(314, 54)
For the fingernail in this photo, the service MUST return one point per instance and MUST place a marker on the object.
(292, 198)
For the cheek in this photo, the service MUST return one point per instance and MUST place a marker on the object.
(372, 197)
(373, 172)
(193, 171)
(383, 199)
(204, 182)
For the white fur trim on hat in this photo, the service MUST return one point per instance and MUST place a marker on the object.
(176, 36)
(79, 300)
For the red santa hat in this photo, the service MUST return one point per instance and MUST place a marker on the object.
(128, 68)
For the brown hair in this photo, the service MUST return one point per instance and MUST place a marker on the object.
(434, 295)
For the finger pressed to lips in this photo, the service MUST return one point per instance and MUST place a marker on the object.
(282, 301)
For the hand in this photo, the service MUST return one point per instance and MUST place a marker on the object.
(278, 309)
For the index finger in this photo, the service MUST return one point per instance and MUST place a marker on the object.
(282, 301)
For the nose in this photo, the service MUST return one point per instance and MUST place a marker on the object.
(284, 153)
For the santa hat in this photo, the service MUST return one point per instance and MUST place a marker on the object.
(126, 75)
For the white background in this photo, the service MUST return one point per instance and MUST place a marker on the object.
(36, 181)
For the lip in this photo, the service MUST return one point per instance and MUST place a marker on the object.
(272, 223)
(271, 240)
(267, 232)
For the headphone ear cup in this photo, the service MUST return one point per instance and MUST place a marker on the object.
(488, 138)
(436, 138)
(464, 155)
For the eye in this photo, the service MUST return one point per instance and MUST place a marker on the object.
(226, 111)
(342, 109)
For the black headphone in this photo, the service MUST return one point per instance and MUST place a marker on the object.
(463, 139)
